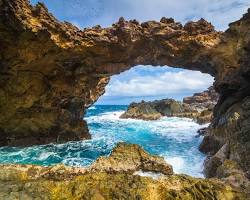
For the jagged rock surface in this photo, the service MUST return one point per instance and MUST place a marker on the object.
(143, 110)
(131, 158)
(198, 107)
(207, 99)
(52, 71)
(154, 110)
(26, 182)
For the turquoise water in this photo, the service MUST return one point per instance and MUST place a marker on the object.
(173, 138)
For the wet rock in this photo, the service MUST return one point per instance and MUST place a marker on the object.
(44, 61)
(51, 71)
(110, 178)
(210, 145)
(203, 131)
(131, 158)
(198, 107)
(212, 163)
(141, 111)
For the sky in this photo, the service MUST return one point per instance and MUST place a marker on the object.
(147, 82)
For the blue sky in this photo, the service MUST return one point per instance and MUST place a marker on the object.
(147, 82)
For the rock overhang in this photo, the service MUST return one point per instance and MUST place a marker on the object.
(52, 71)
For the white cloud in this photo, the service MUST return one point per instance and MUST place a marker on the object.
(219, 12)
(106, 12)
(161, 84)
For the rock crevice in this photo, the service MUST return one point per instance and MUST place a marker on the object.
(110, 178)
(76, 66)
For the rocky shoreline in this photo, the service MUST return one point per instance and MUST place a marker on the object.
(198, 107)
(51, 72)
(111, 177)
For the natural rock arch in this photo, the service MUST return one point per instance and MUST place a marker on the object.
(52, 71)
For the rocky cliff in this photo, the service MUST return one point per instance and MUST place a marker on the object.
(52, 71)
(111, 177)
(198, 107)
(203, 100)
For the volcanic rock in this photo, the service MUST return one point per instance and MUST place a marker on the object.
(198, 107)
(109, 178)
(142, 110)
(207, 99)
(131, 158)
(51, 72)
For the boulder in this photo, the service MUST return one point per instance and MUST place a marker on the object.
(199, 107)
(210, 145)
(110, 178)
(141, 111)
(131, 158)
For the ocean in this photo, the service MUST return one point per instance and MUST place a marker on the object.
(170, 137)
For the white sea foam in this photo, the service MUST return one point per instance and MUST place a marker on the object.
(153, 175)
(177, 162)
(92, 108)
(181, 130)
(45, 155)
(107, 116)
(191, 166)
(170, 137)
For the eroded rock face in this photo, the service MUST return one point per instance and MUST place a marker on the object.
(109, 178)
(143, 110)
(232, 129)
(198, 107)
(51, 71)
(131, 158)
(154, 110)
(119, 185)
(207, 99)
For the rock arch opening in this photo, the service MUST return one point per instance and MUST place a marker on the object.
(174, 138)
(55, 71)
(153, 83)
(51, 71)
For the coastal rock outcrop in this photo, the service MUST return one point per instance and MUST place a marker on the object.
(143, 110)
(198, 107)
(51, 72)
(131, 158)
(206, 99)
(115, 182)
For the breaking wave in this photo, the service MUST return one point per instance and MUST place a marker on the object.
(172, 138)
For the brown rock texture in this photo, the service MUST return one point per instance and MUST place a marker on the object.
(131, 158)
(207, 99)
(52, 71)
(104, 186)
(153, 110)
(28, 182)
(198, 107)
(143, 110)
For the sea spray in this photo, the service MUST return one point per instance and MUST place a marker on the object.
(173, 138)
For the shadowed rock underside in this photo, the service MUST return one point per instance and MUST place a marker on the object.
(52, 71)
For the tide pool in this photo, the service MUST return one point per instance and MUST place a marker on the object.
(173, 138)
